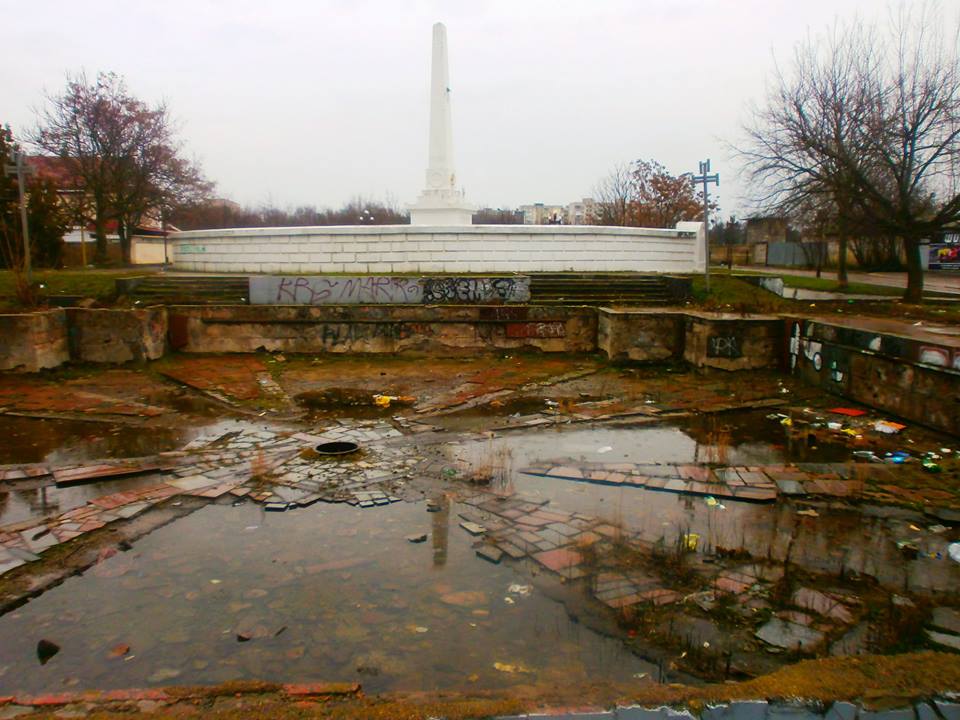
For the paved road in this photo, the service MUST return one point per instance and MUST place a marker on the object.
(946, 282)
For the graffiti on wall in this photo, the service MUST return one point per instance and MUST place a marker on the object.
(456, 290)
(809, 338)
(552, 329)
(724, 346)
(339, 334)
(331, 290)
(502, 312)
(385, 290)
(939, 356)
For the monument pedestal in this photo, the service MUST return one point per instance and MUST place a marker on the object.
(441, 208)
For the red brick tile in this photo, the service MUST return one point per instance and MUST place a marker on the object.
(559, 559)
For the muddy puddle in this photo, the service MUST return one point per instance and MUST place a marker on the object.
(336, 593)
(37, 499)
(840, 539)
(328, 592)
(36, 440)
(61, 442)
(746, 438)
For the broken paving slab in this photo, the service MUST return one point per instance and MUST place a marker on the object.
(490, 553)
(23, 554)
(946, 619)
(789, 636)
(9, 561)
(39, 538)
(91, 473)
(191, 482)
(790, 487)
(126, 512)
(559, 560)
(822, 604)
(948, 640)
(473, 528)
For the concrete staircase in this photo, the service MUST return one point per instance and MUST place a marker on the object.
(545, 289)
(607, 289)
(186, 289)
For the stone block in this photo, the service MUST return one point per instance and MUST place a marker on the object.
(949, 710)
(787, 635)
(117, 336)
(841, 711)
(33, 341)
(895, 714)
(792, 711)
(660, 713)
(744, 710)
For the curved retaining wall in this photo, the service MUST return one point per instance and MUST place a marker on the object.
(415, 249)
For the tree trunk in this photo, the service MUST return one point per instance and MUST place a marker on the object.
(100, 228)
(124, 241)
(914, 292)
(842, 281)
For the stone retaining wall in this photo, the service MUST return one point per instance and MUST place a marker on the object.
(423, 249)
(33, 341)
(381, 329)
(727, 342)
(732, 342)
(914, 379)
(117, 336)
(645, 336)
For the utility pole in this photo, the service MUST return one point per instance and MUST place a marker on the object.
(18, 168)
(705, 178)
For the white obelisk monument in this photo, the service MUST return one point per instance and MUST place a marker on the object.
(440, 203)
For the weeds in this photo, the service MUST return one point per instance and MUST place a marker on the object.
(494, 468)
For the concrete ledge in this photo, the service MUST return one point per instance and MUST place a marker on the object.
(716, 340)
(117, 336)
(733, 342)
(642, 336)
(916, 378)
(33, 341)
(381, 328)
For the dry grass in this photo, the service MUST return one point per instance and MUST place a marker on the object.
(875, 681)
(870, 678)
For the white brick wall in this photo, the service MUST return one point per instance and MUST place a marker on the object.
(478, 248)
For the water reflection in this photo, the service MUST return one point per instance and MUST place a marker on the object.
(329, 592)
(441, 529)
(842, 540)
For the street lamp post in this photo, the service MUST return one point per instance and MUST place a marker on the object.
(18, 169)
(705, 178)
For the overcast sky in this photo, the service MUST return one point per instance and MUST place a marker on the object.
(316, 101)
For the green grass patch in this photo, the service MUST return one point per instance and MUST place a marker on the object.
(828, 285)
(97, 284)
(729, 293)
(824, 284)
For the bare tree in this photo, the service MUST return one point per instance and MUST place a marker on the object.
(613, 195)
(123, 152)
(220, 213)
(869, 122)
(498, 216)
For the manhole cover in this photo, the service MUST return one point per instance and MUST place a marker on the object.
(340, 447)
